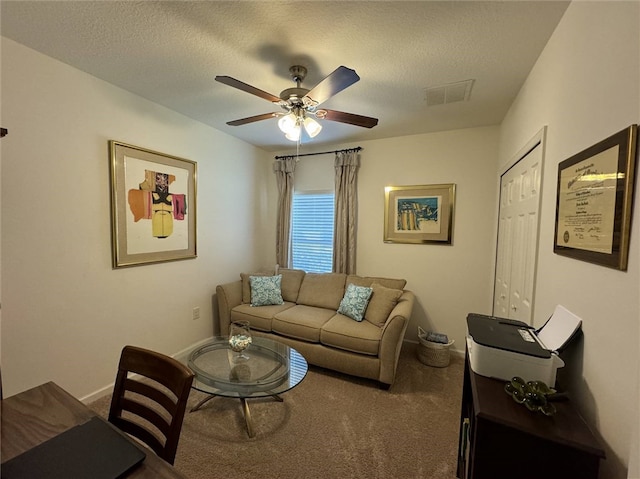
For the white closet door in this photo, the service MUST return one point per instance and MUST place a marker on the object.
(517, 245)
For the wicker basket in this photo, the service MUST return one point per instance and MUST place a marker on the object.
(431, 353)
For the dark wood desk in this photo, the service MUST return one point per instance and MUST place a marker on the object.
(502, 439)
(34, 416)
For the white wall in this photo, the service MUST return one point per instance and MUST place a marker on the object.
(449, 281)
(66, 313)
(585, 87)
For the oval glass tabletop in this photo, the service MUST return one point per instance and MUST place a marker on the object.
(270, 368)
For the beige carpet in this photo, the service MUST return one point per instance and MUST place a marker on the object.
(331, 426)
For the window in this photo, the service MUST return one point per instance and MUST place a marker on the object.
(312, 231)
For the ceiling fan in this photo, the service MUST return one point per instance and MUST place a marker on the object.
(299, 104)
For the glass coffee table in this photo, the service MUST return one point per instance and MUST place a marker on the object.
(270, 369)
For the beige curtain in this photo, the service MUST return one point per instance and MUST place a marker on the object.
(284, 169)
(345, 226)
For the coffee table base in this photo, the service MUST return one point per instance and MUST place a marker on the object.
(245, 409)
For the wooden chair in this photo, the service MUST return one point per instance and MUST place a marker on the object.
(160, 402)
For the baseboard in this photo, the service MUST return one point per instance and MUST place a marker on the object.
(183, 355)
(455, 352)
(94, 396)
(108, 390)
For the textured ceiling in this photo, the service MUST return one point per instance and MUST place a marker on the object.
(170, 52)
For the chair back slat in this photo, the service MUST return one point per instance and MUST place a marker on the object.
(148, 414)
(169, 404)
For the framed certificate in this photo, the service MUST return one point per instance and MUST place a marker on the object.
(594, 201)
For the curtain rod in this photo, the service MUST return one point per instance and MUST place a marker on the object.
(357, 148)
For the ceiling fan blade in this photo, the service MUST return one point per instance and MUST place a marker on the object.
(350, 118)
(341, 78)
(251, 119)
(227, 80)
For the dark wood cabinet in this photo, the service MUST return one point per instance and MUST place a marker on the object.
(502, 439)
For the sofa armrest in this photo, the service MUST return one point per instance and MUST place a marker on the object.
(229, 296)
(393, 335)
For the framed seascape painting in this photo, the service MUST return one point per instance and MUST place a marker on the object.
(419, 214)
(153, 206)
(594, 201)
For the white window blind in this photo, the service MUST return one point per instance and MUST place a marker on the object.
(312, 231)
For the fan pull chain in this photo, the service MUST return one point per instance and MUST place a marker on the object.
(298, 148)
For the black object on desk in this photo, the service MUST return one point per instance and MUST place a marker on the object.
(93, 450)
(500, 439)
(501, 333)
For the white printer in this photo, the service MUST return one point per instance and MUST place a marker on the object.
(503, 348)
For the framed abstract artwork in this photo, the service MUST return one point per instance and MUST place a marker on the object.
(419, 214)
(153, 206)
(594, 201)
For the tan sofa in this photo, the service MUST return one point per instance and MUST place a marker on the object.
(308, 320)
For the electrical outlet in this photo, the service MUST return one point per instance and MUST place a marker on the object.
(196, 313)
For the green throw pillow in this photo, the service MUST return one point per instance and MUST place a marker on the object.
(355, 301)
(265, 290)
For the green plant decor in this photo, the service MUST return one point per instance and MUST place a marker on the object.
(535, 395)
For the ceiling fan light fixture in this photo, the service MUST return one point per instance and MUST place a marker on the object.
(287, 122)
(293, 134)
(298, 102)
(312, 127)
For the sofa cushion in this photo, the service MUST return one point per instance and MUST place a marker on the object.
(382, 302)
(344, 333)
(291, 281)
(265, 290)
(369, 280)
(301, 322)
(246, 286)
(355, 301)
(324, 290)
(259, 317)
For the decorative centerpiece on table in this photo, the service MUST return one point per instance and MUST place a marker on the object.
(534, 395)
(240, 339)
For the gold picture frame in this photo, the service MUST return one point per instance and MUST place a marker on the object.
(153, 206)
(419, 214)
(594, 201)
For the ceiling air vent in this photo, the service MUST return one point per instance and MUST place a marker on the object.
(449, 93)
